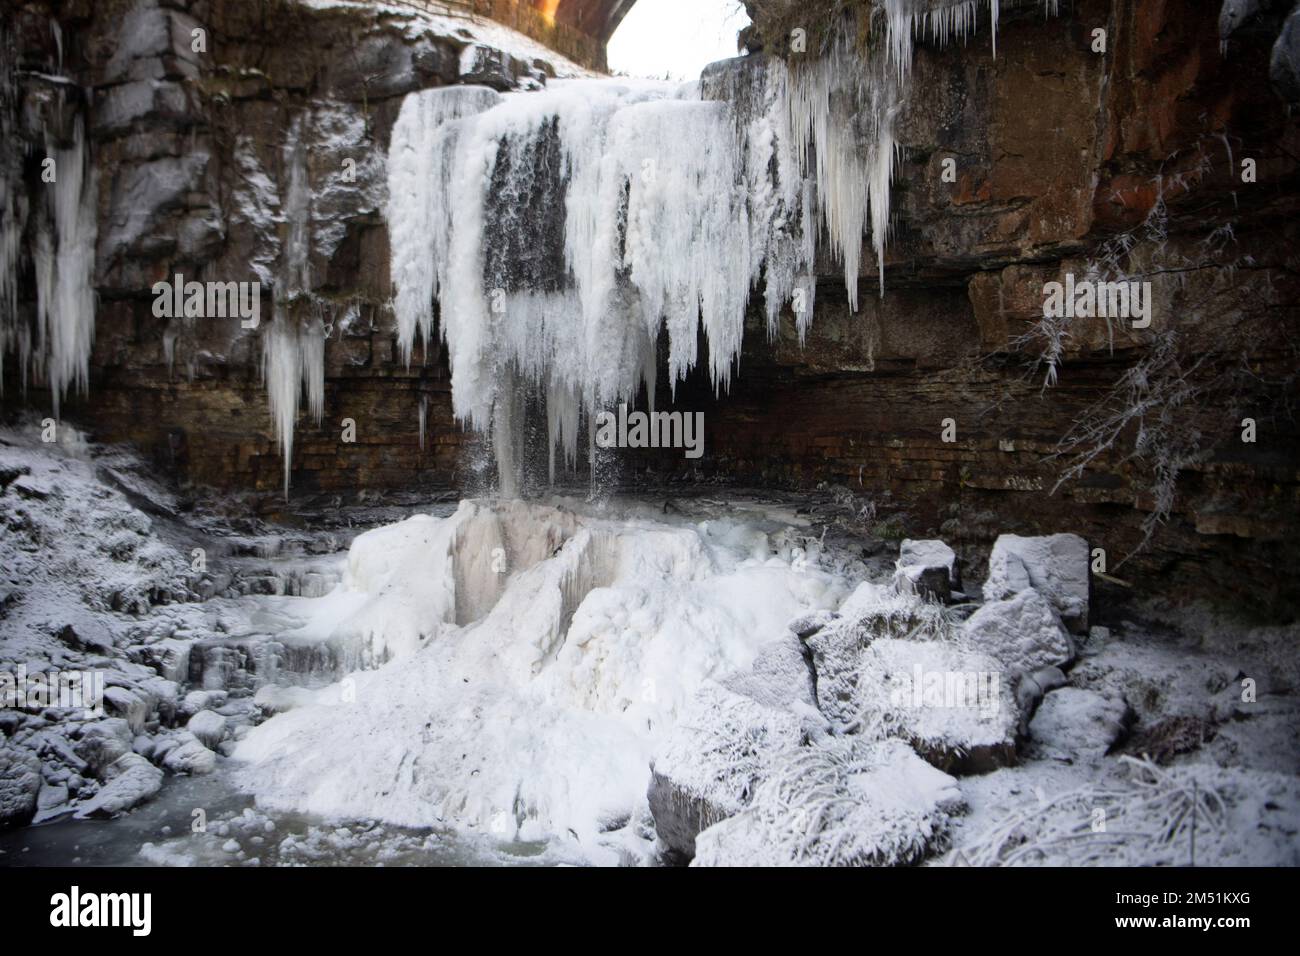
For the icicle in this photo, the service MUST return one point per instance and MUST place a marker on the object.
(424, 419)
(293, 361)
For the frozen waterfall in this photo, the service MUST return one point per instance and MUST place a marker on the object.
(562, 232)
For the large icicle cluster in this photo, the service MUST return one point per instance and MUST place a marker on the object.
(59, 228)
(293, 362)
(561, 232)
(64, 257)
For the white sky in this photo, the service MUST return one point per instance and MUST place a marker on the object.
(675, 37)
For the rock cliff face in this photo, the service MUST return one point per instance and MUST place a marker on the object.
(1061, 152)
(209, 161)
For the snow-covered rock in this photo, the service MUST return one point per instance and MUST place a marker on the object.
(872, 611)
(928, 567)
(131, 781)
(854, 802)
(128, 705)
(954, 706)
(187, 755)
(806, 625)
(209, 727)
(1073, 722)
(1022, 632)
(103, 743)
(20, 784)
(709, 766)
(197, 700)
(780, 677)
(1233, 14)
(169, 657)
(52, 799)
(1284, 64)
(1056, 565)
(929, 554)
(1030, 689)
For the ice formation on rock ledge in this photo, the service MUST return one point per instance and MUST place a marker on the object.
(62, 227)
(562, 231)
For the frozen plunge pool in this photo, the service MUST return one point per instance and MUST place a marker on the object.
(483, 683)
(492, 682)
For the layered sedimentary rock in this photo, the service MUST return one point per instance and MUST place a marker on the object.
(209, 163)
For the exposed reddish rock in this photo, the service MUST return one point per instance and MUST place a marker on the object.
(1057, 149)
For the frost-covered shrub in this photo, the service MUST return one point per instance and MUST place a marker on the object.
(1150, 816)
(720, 749)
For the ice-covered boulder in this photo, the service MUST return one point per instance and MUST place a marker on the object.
(127, 704)
(929, 554)
(209, 727)
(1074, 722)
(780, 676)
(20, 785)
(170, 657)
(806, 625)
(52, 800)
(197, 700)
(186, 755)
(954, 706)
(1055, 565)
(872, 611)
(1022, 632)
(1030, 689)
(104, 742)
(852, 803)
(1284, 64)
(131, 781)
(708, 768)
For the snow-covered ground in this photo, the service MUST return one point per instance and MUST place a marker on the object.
(730, 679)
